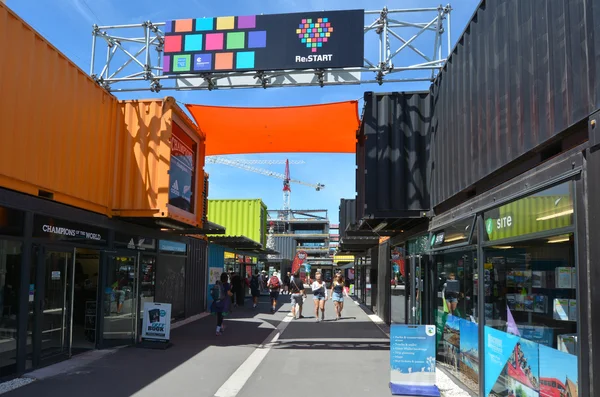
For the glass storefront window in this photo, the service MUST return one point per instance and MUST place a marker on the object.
(458, 340)
(10, 271)
(398, 287)
(531, 308)
(531, 316)
(457, 233)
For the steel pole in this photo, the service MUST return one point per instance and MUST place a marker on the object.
(93, 57)
(449, 33)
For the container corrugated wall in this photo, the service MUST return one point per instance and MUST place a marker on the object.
(347, 214)
(196, 277)
(286, 246)
(144, 157)
(523, 72)
(392, 175)
(58, 125)
(240, 218)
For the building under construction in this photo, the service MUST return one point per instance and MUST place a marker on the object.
(301, 230)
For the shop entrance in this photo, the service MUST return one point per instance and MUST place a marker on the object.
(61, 289)
(414, 287)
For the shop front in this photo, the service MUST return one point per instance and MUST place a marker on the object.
(70, 286)
(507, 279)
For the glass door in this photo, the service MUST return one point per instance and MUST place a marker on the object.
(121, 299)
(51, 303)
(414, 286)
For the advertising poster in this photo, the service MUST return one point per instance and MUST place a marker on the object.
(499, 347)
(181, 171)
(469, 350)
(412, 360)
(308, 40)
(440, 323)
(350, 274)
(558, 373)
(156, 324)
(451, 340)
(398, 263)
(214, 274)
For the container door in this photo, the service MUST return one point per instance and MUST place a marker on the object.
(52, 291)
(121, 300)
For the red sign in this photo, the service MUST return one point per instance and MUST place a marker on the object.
(398, 259)
(298, 261)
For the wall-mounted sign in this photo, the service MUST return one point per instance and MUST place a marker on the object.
(172, 246)
(181, 172)
(56, 275)
(58, 229)
(156, 324)
(309, 40)
(412, 360)
(134, 242)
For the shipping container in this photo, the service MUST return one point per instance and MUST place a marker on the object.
(522, 73)
(160, 163)
(286, 246)
(393, 153)
(196, 277)
(246, 218)
(347, 214)
(58, 126)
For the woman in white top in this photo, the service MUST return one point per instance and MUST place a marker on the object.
(319, 290)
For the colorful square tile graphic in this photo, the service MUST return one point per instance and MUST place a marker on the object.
(247, 22)
(183, 25)
(225, 23)
(193, 42)
(173, 43)
(166, 63)
(257, 39)
(214, 41)
(202, 62)
(236, 40)
(181, 63)
(224, 61)
(314, 34)
(204, 24)
(244, 60)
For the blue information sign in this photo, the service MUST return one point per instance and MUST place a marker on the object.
(412, 360)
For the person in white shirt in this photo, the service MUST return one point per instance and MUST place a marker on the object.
(319, 290)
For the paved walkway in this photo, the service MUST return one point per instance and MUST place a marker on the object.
(260, 354)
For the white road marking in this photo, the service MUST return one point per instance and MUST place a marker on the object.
(238, 379)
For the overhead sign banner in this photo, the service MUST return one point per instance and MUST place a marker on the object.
(412, 360)
(309, 40)
(156, 325)
(181, 172)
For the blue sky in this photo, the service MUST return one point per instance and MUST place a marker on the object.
(67, 25)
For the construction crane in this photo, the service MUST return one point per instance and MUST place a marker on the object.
(247, 165)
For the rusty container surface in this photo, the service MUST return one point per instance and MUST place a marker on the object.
(57, 126)
(143, 161)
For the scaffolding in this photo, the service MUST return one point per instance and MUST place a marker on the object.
(137, 67)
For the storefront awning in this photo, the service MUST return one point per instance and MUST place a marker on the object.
(241, 243)
(174, 226)
(325, 128)
(357, 244)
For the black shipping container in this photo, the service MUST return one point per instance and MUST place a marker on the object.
(347, 214)
(392, 155)
(522, 73)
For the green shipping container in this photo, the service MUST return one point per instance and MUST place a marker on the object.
(243, 217)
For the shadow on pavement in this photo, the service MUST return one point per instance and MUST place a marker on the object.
(131, 369)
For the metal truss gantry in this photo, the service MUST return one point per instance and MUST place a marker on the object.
(141, 48)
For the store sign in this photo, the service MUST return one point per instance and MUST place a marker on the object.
(308, 40)
(58, 229)
(437, 239)
(172, 246)
(181, 172)
(412, 360)
(156, 324)
(134, 242)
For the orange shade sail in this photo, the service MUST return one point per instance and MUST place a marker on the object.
(326, 128)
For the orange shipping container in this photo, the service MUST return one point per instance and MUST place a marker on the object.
(160, 161)
(57, 126)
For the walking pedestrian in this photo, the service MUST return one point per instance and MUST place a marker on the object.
(286, 283)
(274, 285)
(255, 288)
(221, 294)
(319, 290)
(236, 288)
(338, 290)
(298, 294)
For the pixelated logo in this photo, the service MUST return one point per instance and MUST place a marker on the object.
(430, 330)
(182, 62)
(314, 33)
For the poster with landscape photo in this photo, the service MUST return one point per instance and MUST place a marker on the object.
(469, 350)
(558, 373)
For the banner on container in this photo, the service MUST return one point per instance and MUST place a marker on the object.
(412, 360)
(156, 325)
(214, 274)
